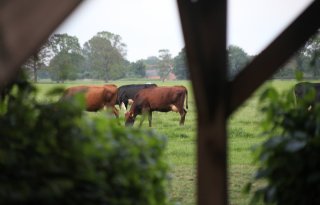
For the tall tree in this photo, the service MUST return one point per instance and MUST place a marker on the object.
(312, 51)
(138, 69)
(65, 66)
(116, 41)
(64, 43)
(105, 56)
(237, 59)
(37, 61)
(152, 60)
(180, 66)
(67, 60)
(165, 64)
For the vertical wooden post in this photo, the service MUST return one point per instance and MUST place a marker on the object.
(204, 28)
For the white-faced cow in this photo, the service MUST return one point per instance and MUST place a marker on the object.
(162, 99)
(304, 88)
(96, 97)
(126, 93)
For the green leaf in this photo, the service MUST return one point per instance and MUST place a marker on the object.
(247, 188)
(299, 75)
(56, 91)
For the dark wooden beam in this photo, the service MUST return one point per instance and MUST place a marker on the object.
(204, 29)
(24, 26)
(270, 59)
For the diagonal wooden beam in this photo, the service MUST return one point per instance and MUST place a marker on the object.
(24, 26)
(270, 59)
(204, 28)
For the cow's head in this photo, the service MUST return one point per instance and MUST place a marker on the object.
(129, 117)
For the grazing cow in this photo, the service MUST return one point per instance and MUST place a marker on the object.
(96, 97)
(127, 92)
(162, 99)
(303, 88)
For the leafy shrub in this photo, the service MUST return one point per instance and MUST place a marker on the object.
(289, 160)
(51, 154)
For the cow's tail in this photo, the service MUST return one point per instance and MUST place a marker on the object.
(186, 98)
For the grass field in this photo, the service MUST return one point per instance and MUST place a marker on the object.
(243, 131)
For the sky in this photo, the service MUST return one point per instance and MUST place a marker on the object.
(146, 26)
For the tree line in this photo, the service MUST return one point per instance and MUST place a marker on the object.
(306, 60)
(103, 57)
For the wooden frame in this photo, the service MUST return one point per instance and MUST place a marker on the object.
(25, 24)
(204, 28)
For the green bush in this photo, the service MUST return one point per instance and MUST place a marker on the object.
(289, 160)
(51, 153)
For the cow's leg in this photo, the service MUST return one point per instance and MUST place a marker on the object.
(143, 116)
(115, 111)
(123, 107)
(144, 112)
(183, 113)
(150, 118)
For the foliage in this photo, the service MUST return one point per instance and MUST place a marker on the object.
(180, 65)
(288, 161)
(67, 61)
(138, 69)
(306, 59)
(312, 51)
(116, 41)
(165, 63)
(48, 158)
(64, 43)
(237, 59)
(287, 71)
(65, 66)
(105, 56)
(152, 60)
(37, 61)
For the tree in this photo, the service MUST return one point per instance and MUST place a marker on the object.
(65, 43)
(165, 64)
(307, 58)
(138, 68)
(116, 41)
(37, 61)
(105, 56)
(180, 66)
(312, 51)
(65, 66)
(237, 59)
(67, 61)
(152, 60)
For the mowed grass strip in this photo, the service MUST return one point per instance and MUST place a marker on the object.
(243, 133)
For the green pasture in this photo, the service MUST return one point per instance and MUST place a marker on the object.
(243, 131)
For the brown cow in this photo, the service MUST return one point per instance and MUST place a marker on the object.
(96, 97)
(162, 99)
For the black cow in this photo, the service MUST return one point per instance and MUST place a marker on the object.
(303, 88)
(127, 92)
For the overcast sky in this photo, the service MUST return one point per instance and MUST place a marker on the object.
(147, 26)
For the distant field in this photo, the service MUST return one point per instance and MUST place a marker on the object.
(243, 129)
